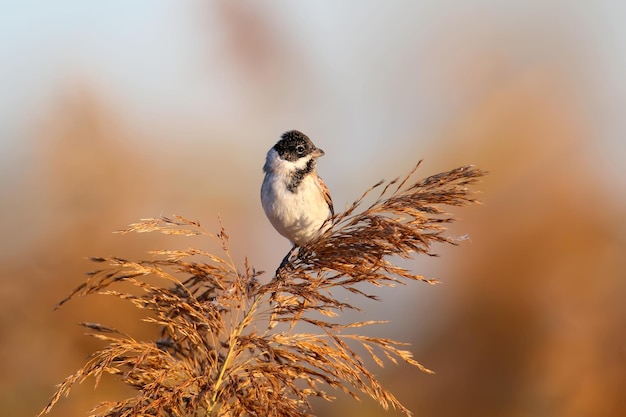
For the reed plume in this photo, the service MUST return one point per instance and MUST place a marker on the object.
(231, 346)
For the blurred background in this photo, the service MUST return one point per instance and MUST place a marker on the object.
(118, 111)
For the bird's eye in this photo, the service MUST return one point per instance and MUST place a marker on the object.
(300, 149)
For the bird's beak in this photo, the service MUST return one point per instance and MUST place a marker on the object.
(317, 152)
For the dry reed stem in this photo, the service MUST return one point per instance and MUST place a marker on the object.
(219, 352)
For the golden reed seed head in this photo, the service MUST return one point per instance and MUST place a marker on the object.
(219, 353)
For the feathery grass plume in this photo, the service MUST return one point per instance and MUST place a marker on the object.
(219, 352)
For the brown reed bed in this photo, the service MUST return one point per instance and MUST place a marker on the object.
(230, 346)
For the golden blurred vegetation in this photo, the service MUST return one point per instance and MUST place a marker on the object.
(529, 319)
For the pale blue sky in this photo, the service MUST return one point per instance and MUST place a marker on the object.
(162, 63)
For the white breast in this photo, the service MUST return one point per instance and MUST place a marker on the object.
(296, 215)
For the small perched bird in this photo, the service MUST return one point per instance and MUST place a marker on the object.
(294, 197)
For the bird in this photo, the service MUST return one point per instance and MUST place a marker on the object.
(295, 199)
